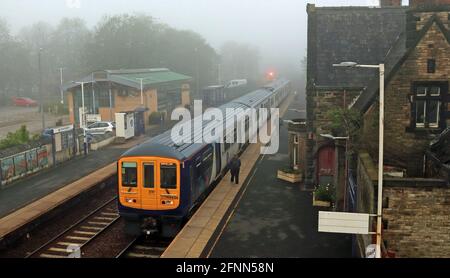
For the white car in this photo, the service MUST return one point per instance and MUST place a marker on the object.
(101, 128)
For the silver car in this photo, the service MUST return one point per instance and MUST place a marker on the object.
(101, 128)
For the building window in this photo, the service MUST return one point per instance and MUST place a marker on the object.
(431, 66)
(427, 106)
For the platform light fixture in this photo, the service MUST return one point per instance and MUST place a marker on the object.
(381, 68)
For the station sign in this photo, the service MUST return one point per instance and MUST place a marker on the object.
(344, 222)
(92, 118)
(62, 129)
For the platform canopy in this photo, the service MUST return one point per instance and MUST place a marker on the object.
(132, 77)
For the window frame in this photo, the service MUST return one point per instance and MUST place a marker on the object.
(123, 184)
(144, 176)
(428, 98)
(175, 167)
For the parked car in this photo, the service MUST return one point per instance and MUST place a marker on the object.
(24, 102)
(47, 133)
(101, 127)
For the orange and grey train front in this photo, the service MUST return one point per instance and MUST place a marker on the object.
(150, 194)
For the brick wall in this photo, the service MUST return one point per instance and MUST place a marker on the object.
(417, 218)
(185, 95)
(402, 147)
(416, 222)
(365, 195)
(319, 102)
(415, 3)
(390, 3)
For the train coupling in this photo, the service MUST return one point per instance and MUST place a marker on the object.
(150, 232)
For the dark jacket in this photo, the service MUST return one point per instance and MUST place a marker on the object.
(235, 164)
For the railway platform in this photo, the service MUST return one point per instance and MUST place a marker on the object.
(28, 202)
(196, 236)
(261, 217)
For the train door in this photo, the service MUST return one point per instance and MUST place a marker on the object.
(130, 194)
(148, 189)
(168, 184)
(218, 159)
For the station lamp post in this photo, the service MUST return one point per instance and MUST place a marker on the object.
(83, 118)
(61, 84)
(142, 90)
(40, 88)
(381, 68)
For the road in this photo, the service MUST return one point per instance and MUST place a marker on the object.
(12, 118)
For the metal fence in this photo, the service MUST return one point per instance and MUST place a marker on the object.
(24, 163)
(352, 189)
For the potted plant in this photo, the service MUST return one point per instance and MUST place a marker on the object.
(323, 196)
(290, 175)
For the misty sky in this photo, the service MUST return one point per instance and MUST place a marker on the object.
(276, 27)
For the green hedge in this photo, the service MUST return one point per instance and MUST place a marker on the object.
(19, 137)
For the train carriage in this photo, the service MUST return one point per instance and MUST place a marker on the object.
(161, 182)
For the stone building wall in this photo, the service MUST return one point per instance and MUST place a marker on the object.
(416, 222)
(319, 102)
(416, 218)
(404, 145)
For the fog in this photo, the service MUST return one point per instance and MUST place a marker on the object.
(277, 28)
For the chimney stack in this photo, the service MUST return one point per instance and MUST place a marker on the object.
(390, 3)
(424, 3)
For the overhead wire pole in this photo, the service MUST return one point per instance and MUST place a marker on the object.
(83, 118)
(142, 90)
(93, 94)
(219, 79)
(41, 95)
(110, 101)
(61, 84)
(381, 68)
(197, 79)
(380, 163)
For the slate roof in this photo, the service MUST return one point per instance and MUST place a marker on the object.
(359, 34)
(394, 59)
(366, 35)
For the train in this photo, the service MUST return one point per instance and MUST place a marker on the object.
(161, 182)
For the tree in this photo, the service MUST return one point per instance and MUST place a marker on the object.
(122, 41)
(14, 65)
(239, 61)
(346, 122)
(137, 41)
(34, 38)
(67, 43)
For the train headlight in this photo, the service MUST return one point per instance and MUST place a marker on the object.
(128, 200)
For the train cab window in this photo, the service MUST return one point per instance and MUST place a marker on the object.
(129, 174)
(149, 175)
(168, 175)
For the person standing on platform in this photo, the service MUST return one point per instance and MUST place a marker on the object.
(235, 169)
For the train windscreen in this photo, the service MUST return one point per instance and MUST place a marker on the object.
(129, 174)
(168, 175)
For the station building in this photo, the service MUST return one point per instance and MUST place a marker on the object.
(107, 92)
(413, 42)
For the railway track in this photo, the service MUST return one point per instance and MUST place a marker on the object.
(143, 247)
(69, 243)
